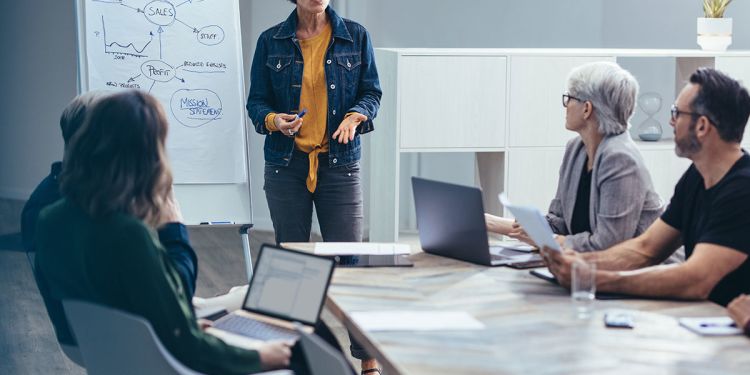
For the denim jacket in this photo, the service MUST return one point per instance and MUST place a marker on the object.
(276, 85)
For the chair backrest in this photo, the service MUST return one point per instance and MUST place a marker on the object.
(322, 358)
(73, 354)
(115, 342)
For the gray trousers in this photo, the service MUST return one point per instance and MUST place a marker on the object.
(337, 199)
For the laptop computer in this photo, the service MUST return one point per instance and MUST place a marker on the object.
(450, 220)
(287, 288)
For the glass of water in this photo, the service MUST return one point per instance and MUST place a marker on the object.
(583, 287)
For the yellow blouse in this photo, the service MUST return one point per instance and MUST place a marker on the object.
(312, 137)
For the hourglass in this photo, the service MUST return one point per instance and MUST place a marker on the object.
(650, 129)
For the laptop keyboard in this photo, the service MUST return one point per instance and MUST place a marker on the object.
(255, 328)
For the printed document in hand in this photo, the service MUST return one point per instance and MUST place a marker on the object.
(416, 321)
(711, 326)
(533, 222)
(361, 248)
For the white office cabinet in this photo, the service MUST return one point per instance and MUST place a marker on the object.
(664, 165)
(537, 117)
(533, 174)
(505, 106)
(452, 101)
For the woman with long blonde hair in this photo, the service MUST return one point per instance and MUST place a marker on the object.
(100, 243)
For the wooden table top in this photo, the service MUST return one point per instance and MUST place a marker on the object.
(531, 325)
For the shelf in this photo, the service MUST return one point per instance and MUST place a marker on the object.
(566, 52)
(663, 144)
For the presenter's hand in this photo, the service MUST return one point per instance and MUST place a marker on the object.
(275, 355)
(287, 124)
(560, 264)
(348, 128)
(739, 310)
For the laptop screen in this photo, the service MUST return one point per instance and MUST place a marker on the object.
(289, 285)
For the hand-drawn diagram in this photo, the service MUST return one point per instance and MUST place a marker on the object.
(187, 54)
(164, 14)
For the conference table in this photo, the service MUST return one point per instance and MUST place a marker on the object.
(531, 325)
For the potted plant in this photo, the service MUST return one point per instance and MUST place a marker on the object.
(715, 31)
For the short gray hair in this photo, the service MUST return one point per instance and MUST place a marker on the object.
(611, 89)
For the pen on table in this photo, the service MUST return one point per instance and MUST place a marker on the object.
(706, 325)
(217, 222)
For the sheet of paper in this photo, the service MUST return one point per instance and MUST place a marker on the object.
(711, 326)
(514, 245)
(361, 248)
(533, 222)
(416, 321)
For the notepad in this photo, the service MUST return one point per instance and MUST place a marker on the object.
(360, 248)
(711, 326)
(416, 321)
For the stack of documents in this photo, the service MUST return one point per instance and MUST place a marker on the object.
(361, 248)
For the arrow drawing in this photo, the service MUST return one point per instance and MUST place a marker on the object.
(160, 31)
(195, 30)
(135, 9)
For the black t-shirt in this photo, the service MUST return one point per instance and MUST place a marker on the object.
(580, 221)
(719, 215)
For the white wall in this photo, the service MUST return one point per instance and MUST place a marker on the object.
(39, 62)
(480, 23)
(665, 23)
(38, 68)
(257, 16)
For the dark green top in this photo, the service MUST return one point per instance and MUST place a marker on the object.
(119, 262)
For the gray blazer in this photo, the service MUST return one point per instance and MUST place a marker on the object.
(623, 201)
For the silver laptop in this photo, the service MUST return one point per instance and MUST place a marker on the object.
(287, 287)
(450, 220)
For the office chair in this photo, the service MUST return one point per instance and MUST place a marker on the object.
(115, 342)
(73, 354)
(322, 358)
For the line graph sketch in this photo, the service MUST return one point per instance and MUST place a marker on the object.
(123, 48)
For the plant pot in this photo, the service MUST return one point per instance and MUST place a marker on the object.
(714, 34)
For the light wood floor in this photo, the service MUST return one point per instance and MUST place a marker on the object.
(27, 340)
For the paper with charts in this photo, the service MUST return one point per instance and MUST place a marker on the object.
(187, 54)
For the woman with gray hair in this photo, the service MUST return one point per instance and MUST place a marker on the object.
(604, 194)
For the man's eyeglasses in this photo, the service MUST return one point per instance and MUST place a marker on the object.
(566, 99)
(675, 113)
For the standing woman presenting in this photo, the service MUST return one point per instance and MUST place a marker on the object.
(320, 66)
(321, 63)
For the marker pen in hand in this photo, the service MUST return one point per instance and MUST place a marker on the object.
(299, 115)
